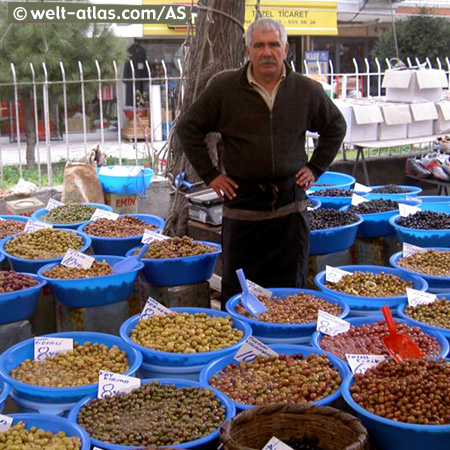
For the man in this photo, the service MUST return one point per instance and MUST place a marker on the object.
(263, 111)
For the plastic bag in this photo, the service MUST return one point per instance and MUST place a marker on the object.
(81, 184)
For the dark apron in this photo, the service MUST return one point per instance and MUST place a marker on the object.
(265, 232)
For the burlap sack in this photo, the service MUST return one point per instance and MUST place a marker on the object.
(81, 184)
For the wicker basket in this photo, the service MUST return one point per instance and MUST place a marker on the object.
(253, 428)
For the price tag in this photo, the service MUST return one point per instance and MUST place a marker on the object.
(416, 297)
(357, 200)
(72, 258)
(276, 444)
(154, 308)
(331, 325)
(150, 236)
(409, 249)
(334, 275)
(309, 192)
(45, 347)
(360, 363)
(256, 289)
(96, 448)
(362, 188)
(250, 350)
(407, 210)
(5, 422)
(111, 384)
(32, 226)
(309, 208)
(52, 204)
(103, 214)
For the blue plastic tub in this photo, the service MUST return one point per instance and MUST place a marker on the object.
(216, 366)
(120, 246)
(18, 218)
(357, 322)
(53, 424)
(280, 331)
(179, 271)
(55, 400)
(316, 203)
(68, 226)
(377, 224)
(421, 238)
(337, 180)
(388, 434)
(334, 202)
(414, 192)
(179, 372)
(125, 185)
(371, 304)
(33, 265)
(20, 305)
(5, 389)
(98, 291)
(333, 240)
(160, 358)
(436, 203)
(435, 283)
(207, 442)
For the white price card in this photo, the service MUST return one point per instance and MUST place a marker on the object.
(362, 188)
(334, 275)
(256, 289)
(331, 325)
(111, 384)
(276, 444)
(72, 258)
(103, 214)
(416, 297)
(5, 422)
(154, 308)
(357, 200)
(309, 192)
(52, 204)
(360, 363)
(44, 347)
(250, 350)
(150, 236)
(309, 208)
(32, 226)
(409, 249)
(407, 210)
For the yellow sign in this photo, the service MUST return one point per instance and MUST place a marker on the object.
(317, 18)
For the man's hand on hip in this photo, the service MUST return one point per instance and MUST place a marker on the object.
(305, 178)
(224, 187)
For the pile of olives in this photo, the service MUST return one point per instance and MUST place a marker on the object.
(323, 218)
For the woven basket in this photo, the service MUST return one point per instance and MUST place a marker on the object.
(253, 428)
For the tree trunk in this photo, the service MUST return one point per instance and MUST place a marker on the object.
(218, 45)
(30, 130)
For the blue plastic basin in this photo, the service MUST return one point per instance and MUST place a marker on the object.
(371, 303)
(33, 265)
(125, 184)
(335, 202)
(421, 238)
(216, 366)
(68, 226)
(316, 203)
(207, 442)
(5, 389)
(120, 246)
(53, 424)
(18, 218)
(358, 321)
(282, 330)
(15, 355)
(388, 434)
(414, 192)
(337, 180)
(20, 305)
(179, 271)
(184, 359)
(98, 291)
(436, 203)
(333, 240)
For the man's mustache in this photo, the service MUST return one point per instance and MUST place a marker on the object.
(267, 61)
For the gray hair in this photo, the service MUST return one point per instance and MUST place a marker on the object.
(265, 24)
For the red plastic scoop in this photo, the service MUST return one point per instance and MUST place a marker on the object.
(399, 346)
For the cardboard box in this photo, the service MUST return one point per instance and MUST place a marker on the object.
(24, 207)
(424, 115)
(442, 124)
(122, 203)
(375, 251)
(396, 120)
(414, 86)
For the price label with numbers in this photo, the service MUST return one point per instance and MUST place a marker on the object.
(5, 422)
(256, 289)
(103, 214)
(150, 236)
(44, 347)
(362, 188)
(416, 297)
(357, 200)
(360, 363)
(32, 226)
(407, 210)
(409, 249)
(154, 308)
(72, 258)
(331, 325)
(250, 350)
(334, 275)
(111, 384)
(52, 204)
(276, 444)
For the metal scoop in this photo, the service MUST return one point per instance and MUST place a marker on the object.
(129, 263)
(249, 301)
(398, 345)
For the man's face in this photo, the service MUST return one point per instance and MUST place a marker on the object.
(267, 53)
